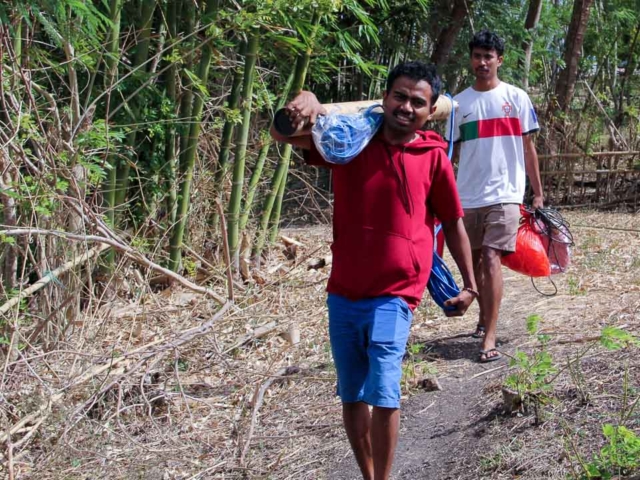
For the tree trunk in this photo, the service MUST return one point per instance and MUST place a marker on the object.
(575, 38)
(533, 16)
(449, 32)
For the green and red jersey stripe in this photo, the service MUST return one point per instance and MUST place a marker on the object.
(495, 127)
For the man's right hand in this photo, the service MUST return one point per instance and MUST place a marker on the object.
(304, 109)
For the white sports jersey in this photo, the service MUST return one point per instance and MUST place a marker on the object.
(489, 126)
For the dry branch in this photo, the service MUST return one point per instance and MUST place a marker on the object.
(610, 123)
(51, 276)
(258, 398)
(127, 250)
(257, 333)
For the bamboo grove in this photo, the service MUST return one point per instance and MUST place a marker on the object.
(140, 118)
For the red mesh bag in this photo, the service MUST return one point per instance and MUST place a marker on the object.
(530, 257)
(557, 244)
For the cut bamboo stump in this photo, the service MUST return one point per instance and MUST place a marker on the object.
(292, 334)
(512, 400)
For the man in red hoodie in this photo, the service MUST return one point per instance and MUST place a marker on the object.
(385, 202)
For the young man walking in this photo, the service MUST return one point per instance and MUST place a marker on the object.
(385, 202)
(494, 144)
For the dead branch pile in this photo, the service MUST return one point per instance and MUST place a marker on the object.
(169, 383)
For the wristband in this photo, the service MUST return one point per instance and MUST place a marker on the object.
(471, 291)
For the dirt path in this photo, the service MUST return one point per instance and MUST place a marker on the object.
(445, 434)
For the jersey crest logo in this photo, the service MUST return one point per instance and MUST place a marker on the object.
(506, 108)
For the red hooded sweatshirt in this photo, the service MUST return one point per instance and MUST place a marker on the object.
(385, 202)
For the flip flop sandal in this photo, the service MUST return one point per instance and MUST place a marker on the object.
(480, 332)
(485, 358)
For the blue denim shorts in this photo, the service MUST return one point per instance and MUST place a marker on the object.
(368, 341)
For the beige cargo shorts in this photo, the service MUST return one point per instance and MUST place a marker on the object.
(494, 226)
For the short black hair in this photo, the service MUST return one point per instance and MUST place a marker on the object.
(488, 41)
(417, 71)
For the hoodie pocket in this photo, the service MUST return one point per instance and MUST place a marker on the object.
(368, 262)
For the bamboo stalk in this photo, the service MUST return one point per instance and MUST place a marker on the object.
(113, 48)
(186, 103)
(228, 129)
(188, 156)
(300, 75)
(275, 215)
(267, 208)
(257, 171)
(279, 179)
(170, 140)
(140, 58)
(226, 139)
(225, 249)
(283, 126)
(241, 148)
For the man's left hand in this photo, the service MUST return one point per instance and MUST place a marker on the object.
(538, 202)
(461, 304)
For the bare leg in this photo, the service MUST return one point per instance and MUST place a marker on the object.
(385, 423)
(490, 286)
(479, 275)
(357, 423)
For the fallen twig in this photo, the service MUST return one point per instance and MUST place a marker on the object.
(258, 398)
(486, 372)
(257, 333)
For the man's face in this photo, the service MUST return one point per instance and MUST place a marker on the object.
(407, 105)
(485, 63)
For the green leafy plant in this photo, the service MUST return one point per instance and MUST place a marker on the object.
(531, 379)
(620, 456)
(613, 338)
(415, 367)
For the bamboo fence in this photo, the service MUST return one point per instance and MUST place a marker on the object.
(599, 180)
